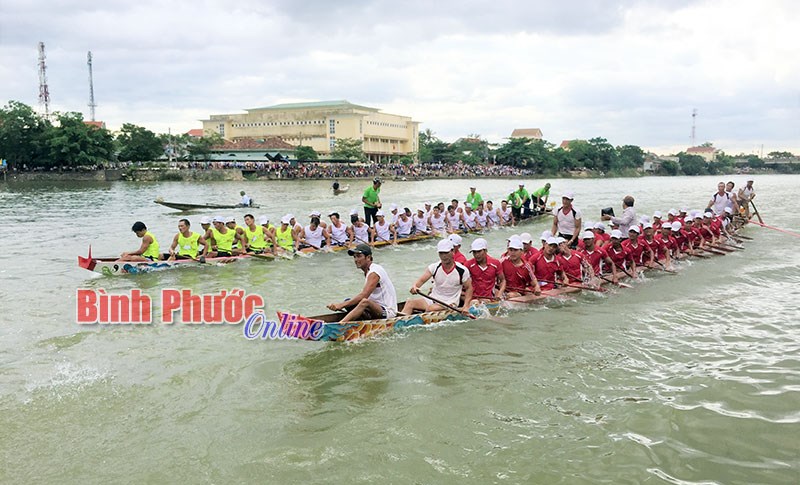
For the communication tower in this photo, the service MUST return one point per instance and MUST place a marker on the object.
(44, 91)
(694, 115)
(92, 104)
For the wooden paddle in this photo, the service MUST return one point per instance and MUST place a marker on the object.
(758, 214)
(449, 307)
(573, 285)
(777, 229)
(621, 285)
(664, 268)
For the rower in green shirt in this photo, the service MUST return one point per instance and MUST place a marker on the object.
(540, 197)
(473, 197)
(516, 204)
(525, 197)
(372, 201)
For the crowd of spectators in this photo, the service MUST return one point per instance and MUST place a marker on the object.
(322, 170)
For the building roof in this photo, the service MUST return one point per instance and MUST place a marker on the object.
(701, 150)
(98, 124)
(526, 133)
(270, 143)
(339, 103)
(197, 132)
(565, 143)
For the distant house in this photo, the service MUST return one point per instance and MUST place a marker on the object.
(252, 149)
(96, 124)
(195, 133)
(565, 144)
(533, 133)
(708, 153)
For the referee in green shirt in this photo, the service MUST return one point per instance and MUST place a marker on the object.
(372, 201)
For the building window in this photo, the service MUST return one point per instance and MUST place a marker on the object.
(332, 125)
(221, 129)
(360, 126)
(332, 142)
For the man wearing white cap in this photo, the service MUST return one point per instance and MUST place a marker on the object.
(230, 223)
(205, 223)
(664, 244)
(567, 220)
(404, 225)
(382, 231)
(318, 215)
(546, 266)
(187, 243)
(594, 256)
(284, 235)
(485, 271)
(378, 298)
(469, 220)
(337, 231)
(453, 219)
(223, 239)
(459, 257)
(473, 197)
(640, 253)
(518, 273)
(421, 223)
(719, 199)
(314, 236)
(358, 231)
(657, 220)
(619, 255)
(602, 238)
(528, 251)
(437, 222)
(449, 280)
(745, 195)
(681, 240)
(393, 213)
(628, 217)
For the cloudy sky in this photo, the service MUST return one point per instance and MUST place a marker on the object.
(629, 71)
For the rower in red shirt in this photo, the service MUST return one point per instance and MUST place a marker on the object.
(619, 255)
(528, 250)
(664, 244)
(595, 256)
(485, 271)
(519, 276)
(458, 256)
(640, 253)
(571, 262)
(681, 240)
(546, 266)
(657, 220)
(601, 237)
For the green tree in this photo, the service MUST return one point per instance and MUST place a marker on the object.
(348, 149)
(668, 167)
(23, 136)
(201, 148)
(425, 139)
(692, 164)
(754, 162)
(780, 155)
(74, 143)
(305, 154)
(604, 154)
(138, 144)
(630, 156)
(471, 150)
(517, 152)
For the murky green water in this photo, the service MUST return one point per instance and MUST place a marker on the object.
(693, 378)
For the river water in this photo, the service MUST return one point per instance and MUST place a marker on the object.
(690, 378)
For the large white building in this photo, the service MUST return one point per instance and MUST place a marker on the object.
(320, 124)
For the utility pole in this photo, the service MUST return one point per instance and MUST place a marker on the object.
(694, 115)
(44, 91)
(92, 104)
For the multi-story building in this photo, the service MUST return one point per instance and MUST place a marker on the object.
(320, 124)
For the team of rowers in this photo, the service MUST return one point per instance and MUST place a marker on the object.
(224, 237)
(581, 257)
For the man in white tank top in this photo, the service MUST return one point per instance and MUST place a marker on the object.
(437, 221)
(383, 231)
(453, 219)
(314, 236)
(378, 298)
(358, 231)
(337, 231)
(449, 279)
(481, 217)
(492, 214)
(421, 223)
(468, 218)
(404, 225)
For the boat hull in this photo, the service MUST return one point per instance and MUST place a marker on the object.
(192, 207)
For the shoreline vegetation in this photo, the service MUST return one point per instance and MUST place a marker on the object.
(66, 147)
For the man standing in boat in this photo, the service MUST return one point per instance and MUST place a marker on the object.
(628, 218)
(372, 201)
(449, 279)
(187, 243)
(148, 251)
(246, 201)
(378, 298)
(567, 221)
(473, 197)
(540, 197)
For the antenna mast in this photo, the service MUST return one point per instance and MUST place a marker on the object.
(694, 115)
(44, 91)
(92, 104)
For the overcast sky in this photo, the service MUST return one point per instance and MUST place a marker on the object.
(629, 71)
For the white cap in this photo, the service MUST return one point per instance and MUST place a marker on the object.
(644, 219)
(315, 213)
(230, 219)
(468, 205)
(667, 226)
(635, 229)
(205, 220)
(729, 210)
(560, 239)
(478, 244)
(647, 226)
(688, 220)
(616, 233)
(379, 214)
(657, 214)
(286, 219)
(219, 219)
(455, 239)
(353, 212)
(420, 209)
(513, 236)
(569, 195)
(427, 203)
(291, 216)
(263, 220)
(514, 243)
(552, 240)
(698, 216)
(587, 235)
(676, 226)
(673, 212)
(444, 246)
(588, 225)
(526, 238)
(600, 226)
(684, 209)
(392, 206)
(546, 235)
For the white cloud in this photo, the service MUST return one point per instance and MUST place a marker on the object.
(628, 71)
